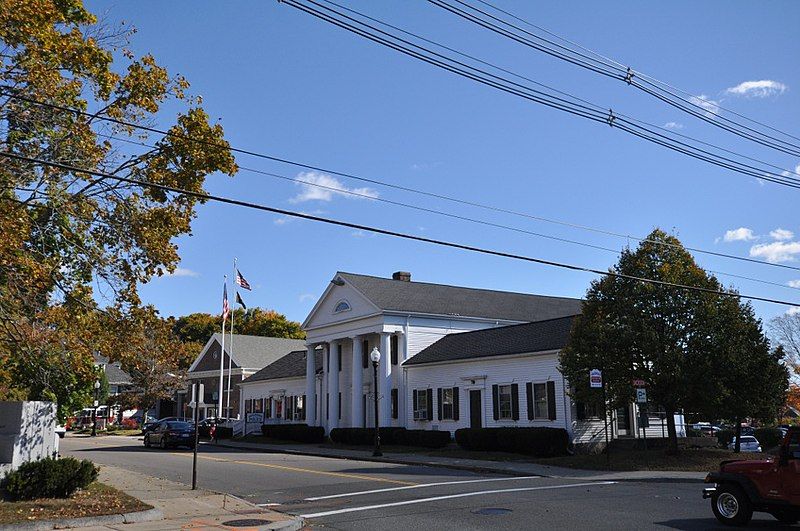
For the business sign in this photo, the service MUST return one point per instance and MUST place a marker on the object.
(639, 383)
(595, 378)
(641, 396)
(255, 418)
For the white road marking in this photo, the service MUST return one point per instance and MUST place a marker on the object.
(268, 504)
(451, 496)
(421, 485)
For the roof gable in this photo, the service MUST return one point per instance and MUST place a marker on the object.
(249, 352)
(540, 336)
(292, 365)
(340, 302)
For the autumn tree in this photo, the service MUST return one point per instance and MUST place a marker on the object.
(673, 339)
(71, 239)
(199, 327)
(785, 331)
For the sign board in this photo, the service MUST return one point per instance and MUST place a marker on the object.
(641, 396)
(255, 418)
(595, 378)
(639, 383)
(197, 393)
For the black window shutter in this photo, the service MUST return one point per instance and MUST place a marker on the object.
(529, 397)
(429, 415)
(515, 401)
(551, 400)
(340, 405)
(365, 353)
(394, 403)
(393, 347)
(439, 401)
(339, 356)
(327, 403)
(305, 407)
(455, 403)
(496, 401)
(414, 393)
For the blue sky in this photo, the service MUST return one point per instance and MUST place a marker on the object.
(286, 84)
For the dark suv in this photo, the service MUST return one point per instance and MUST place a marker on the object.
(769, 485)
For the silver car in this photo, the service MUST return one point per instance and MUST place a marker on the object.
(749, 444)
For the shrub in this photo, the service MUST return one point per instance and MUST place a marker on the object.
(130, 424)
(422, 438)
(538, 442)
(294, 432)
(768, 437)
(50, 478)
(365, 436)
(724, 437)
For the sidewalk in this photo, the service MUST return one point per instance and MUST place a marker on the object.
(184, 508)
(510, 468)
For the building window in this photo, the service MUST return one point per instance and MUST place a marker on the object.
(248, 406)
(540, 407)
(421, 404)
(342, 306)
(393, 348)
(504, 409)
(447, 404)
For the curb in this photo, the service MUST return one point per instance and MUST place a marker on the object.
(294, 523)
(148, 515)
(454, 466)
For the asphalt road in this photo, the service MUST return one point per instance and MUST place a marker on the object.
(362, 495)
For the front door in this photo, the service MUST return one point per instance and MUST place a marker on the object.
(623, 422)
(475, 408)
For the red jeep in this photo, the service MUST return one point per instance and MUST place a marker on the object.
(769, 485)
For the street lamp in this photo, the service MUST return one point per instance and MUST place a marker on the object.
(375, 356)
(94, 410)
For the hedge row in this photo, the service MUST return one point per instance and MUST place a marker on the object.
(538, 442)
(768, 437)
(50, 478)
(294, 432)
(391, 436)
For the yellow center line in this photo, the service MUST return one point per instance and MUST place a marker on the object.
(303, 470)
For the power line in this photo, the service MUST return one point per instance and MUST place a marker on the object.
(256, 206)
(610, 68)
(503, 84)
(387, 184)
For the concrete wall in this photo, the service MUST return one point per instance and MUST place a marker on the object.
(27, 433)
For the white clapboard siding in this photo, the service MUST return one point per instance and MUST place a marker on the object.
(271, 388)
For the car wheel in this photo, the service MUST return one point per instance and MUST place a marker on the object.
(731, 505)
(146, 441)
(787, 517)
(163, 444)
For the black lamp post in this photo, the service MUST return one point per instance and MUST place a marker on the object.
(375, 356)
(94, 410)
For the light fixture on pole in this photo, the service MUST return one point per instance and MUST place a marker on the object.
(94, 409)
(375, 356)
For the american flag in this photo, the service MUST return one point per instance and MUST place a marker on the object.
(242, 282)
(225, 308)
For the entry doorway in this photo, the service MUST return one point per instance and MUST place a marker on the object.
(623, 422)
(475, 409)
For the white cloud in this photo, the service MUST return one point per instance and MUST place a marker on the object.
(781, 234)
(710, 106)
(307, 297)
(794, 310)
(776, 251)
(794, 283)
(763, 88)
(182, 272)
(742, 234)
(280, 221)
(673, 125)
(321, 187)
(795, 174)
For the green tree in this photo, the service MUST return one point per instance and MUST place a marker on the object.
(65, 232)
(673, 339)
(199, 327)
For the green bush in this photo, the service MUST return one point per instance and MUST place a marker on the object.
(294, 432)
(422, 438)
(365, 436)
(538, 442)
(724, 437)
(50, 478)
(768, 437)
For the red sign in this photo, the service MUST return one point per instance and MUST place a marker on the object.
(639, 383)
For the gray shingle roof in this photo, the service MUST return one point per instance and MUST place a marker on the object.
(256, 352)
(441, 299)
(114, 373)
(292, 365)
(551, 334)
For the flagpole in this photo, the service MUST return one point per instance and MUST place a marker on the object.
(233, 312)
(222, 354)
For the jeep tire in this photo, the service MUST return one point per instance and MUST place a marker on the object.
(731, 505)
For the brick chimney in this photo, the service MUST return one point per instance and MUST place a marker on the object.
(405, 276)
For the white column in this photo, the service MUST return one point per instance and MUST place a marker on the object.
(333, 385)
(323, 388)
(311, 388)
(357, 406)
(398, 379)
(385, 382)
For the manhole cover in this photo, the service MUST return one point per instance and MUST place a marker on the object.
(246, 522)
(491, 511)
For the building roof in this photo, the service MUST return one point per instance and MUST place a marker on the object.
(253, 352)
(440, 299)
(292, 365)
(114, 373)
(540, 336)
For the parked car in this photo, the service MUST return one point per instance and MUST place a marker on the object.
(748, 444)
(710, 431)
(170, 434)
(205, 425)
(770, 485)
(152, 424)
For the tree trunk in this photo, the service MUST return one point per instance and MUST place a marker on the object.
(738, 446)
(672, 433)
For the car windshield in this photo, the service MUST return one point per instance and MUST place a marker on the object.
(748, 439)
(179, 425)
